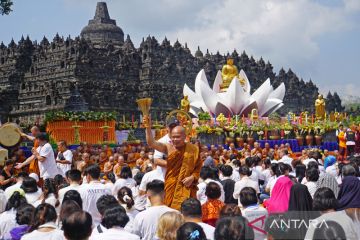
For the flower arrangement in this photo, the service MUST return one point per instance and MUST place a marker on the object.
(209, 130)
(79, 116)
(272, 126)
(221, 119)
(241, 129)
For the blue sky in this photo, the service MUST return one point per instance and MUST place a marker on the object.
(317, 39)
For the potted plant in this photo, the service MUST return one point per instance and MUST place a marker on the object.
(240, 132)
(319, 130)
(308, 138)
(274, 131)
(299, 137)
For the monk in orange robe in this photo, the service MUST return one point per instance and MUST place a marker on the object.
(266, 150)
(342, 146)
(183, 165)
(257, 149)
(33, 166)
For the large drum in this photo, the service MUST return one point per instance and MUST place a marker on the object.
(9, 135)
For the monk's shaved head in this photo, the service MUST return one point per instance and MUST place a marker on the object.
(34, 129)
(178, 129)
(178, 136)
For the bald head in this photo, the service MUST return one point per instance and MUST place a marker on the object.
(34, 128)
(35, 131)
(178, 129)
(178, 136)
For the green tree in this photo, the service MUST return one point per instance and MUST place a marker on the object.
(5, 7)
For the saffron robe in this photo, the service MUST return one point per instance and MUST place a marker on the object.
(211, 211)
(181, 164)
(34, 165)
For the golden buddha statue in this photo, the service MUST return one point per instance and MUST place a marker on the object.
(320, 108)
(332, 117)
(228, 72)
(254, 114)
(185, 104)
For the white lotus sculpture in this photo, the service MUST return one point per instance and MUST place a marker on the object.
(236, 100)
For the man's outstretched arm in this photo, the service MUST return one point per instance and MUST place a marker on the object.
(161, 147)
(26, 162)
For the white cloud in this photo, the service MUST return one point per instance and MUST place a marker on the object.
(352, 5)
(285, 32)
(305, 35)
(343, 89)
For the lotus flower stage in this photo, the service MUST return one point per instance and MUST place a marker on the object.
(236, 100)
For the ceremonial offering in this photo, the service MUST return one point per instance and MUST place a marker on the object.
(231, 95)
(144, 106)
(10, 135)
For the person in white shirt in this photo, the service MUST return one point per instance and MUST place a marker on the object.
(145, 223)
(126, 200)
(50, 195)
(77, 226)
(125, 180)
(8, 218)
(250, 163)
(252, 211)
(325, 202)
(258, 168)
(235, 164)
(278, 170)
(155, 174)
(103, 203)
(3, 201)
(266, 172)
(140, 200)
(245, 181)
(312, 175)
(45, 156)
(159, 157)
(32, 191)
(308, 160)
(44, 226)
(92, 191)
(191, 210)
(64, 158)
(73, 177)
(332, 170)
(34, 176)
(284, 157)
(207, 175)
(114, 220)
(19, 179)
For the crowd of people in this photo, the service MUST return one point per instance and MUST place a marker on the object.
(173, 190)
